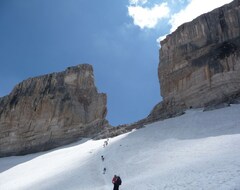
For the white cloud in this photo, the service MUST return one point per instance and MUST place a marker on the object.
(136, 2)
(194, 9)
(148, 17)
(161, 38)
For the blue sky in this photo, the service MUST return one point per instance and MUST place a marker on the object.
(117, 37)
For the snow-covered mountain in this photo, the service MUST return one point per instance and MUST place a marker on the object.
(198, 150)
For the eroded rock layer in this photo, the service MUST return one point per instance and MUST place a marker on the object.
(51, 110)
(200, 61)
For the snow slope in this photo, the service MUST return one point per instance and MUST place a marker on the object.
(198, 150)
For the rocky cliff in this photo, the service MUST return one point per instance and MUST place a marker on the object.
(200, 62)
(51, 110)
(199, 66)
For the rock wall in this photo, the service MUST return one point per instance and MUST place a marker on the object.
(51, 110)
(199, 67)
(200, 62)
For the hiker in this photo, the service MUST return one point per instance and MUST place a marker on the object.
(105, 143)
(102, 158)
(104, 170)
(116, 182)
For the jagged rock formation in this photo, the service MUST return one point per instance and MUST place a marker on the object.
(200, 62)
(51, 110)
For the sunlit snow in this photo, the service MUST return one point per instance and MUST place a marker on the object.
(198, 150)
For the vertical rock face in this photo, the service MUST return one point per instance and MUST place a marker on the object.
(51, 110)
(200, 61)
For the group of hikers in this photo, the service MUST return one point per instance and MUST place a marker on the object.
(116, 179)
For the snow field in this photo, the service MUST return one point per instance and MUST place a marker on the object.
(198, 150)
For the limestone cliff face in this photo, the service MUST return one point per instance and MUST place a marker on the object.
(51, 110)
(200, 61)
(199, 66)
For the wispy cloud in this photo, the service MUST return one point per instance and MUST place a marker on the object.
(194, 9)
(146, 17)
(137, 2)
(145, 14)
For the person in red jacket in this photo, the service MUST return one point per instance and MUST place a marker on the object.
(116, 182)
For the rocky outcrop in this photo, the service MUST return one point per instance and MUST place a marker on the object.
(51, 110)
(200, 62)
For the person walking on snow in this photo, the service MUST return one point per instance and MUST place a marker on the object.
(104, 170)
(102, 158)
(116, 182)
